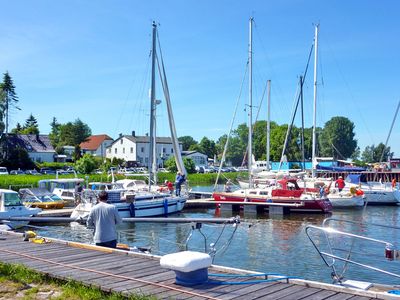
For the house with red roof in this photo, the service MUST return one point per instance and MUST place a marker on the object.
(96, 145)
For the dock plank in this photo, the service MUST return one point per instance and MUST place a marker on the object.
(140, 274)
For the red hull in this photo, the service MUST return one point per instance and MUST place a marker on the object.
(311, 205)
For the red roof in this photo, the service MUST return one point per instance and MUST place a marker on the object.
(93, 142)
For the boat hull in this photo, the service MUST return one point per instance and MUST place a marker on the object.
(306, 205)
(141, 208)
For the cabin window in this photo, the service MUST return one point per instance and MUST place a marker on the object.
(264, 193)
(253, 192)
(11, 199)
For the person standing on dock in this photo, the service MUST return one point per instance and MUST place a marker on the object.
(104, 218)
(340, 183)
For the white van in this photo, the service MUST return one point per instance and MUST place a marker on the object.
(3, 171)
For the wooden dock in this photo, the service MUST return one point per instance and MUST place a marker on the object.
(136, 273)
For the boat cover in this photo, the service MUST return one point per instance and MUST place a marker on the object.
(356, 178)
(341, 169)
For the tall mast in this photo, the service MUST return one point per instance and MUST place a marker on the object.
(250, 146)
(268, 121)
(152, 105)
(314, 138)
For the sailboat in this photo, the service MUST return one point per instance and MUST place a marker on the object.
(286, 191)
(133, 203)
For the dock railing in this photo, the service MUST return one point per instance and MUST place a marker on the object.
(369, 246)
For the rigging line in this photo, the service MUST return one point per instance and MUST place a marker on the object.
(336, 149)
(349, 91)
(66, 265)
(278, 90)
(231, 127)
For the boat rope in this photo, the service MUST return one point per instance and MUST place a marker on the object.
(107, 274)
(231, 127)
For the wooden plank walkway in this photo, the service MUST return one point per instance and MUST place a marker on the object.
(136, 273)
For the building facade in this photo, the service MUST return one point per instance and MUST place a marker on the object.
(135, 149)
(38, 146)
(199, 159)
(96, 145)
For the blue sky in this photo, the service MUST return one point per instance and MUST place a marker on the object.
(90, 60)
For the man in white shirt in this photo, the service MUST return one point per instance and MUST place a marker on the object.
(104, 218)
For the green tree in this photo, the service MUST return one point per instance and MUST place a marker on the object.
(86, 164)
(9, 98)
(170, 165)
(373, 154)
(54, 135)
(17, 130)
(207, 147)
(73, 133)
(31, 126)
(337, 138)
(187, 142)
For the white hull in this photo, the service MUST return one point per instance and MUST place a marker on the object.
(18, 211)
(377, 197)
(339, 200)
(141, 208)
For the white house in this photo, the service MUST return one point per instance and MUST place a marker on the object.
(96, 145)
(135, 149)
(199, 159)
(38, 146)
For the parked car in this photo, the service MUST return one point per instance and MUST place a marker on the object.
(3, 171)
(47, 171)
(17, 172)
(199, 169)
(209, 170)
(32, 172)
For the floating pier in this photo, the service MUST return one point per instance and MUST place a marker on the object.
(137, 273)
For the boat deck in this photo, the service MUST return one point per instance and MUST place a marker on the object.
(136, 273)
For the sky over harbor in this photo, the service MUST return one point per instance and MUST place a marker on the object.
(90, 60)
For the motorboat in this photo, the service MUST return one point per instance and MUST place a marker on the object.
(286, 191)
(41, 198)
(11, 206)
(64, 188)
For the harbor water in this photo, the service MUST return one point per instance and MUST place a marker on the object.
(270, 244)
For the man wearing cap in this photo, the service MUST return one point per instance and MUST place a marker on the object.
(104, 218)
(340, 183)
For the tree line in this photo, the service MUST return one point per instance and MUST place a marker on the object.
(336, 139)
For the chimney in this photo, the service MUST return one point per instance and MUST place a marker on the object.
(120, 135)
(133, 133)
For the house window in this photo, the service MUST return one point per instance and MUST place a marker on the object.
(115, 150)
(123, 150)
(142, 149)
(122, 141)
(131, 149)
(164, 150)
(172, 150)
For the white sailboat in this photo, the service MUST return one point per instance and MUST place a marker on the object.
(135, 203)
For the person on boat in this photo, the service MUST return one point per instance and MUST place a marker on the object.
(228, 186)
(78, 193)
(169, 186)
(178, 183)
(340, 184)
(104, 218)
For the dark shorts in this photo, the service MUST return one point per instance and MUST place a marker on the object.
(109, 244)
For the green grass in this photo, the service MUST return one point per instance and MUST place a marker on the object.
(70, 289)
(19, 181)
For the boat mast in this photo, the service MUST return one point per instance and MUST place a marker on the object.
(314, 138)
(250, 146)
(152, 105)
(268, 121)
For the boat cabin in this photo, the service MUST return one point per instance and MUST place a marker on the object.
(8, 199)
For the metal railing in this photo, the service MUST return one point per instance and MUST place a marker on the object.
(339, 249)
